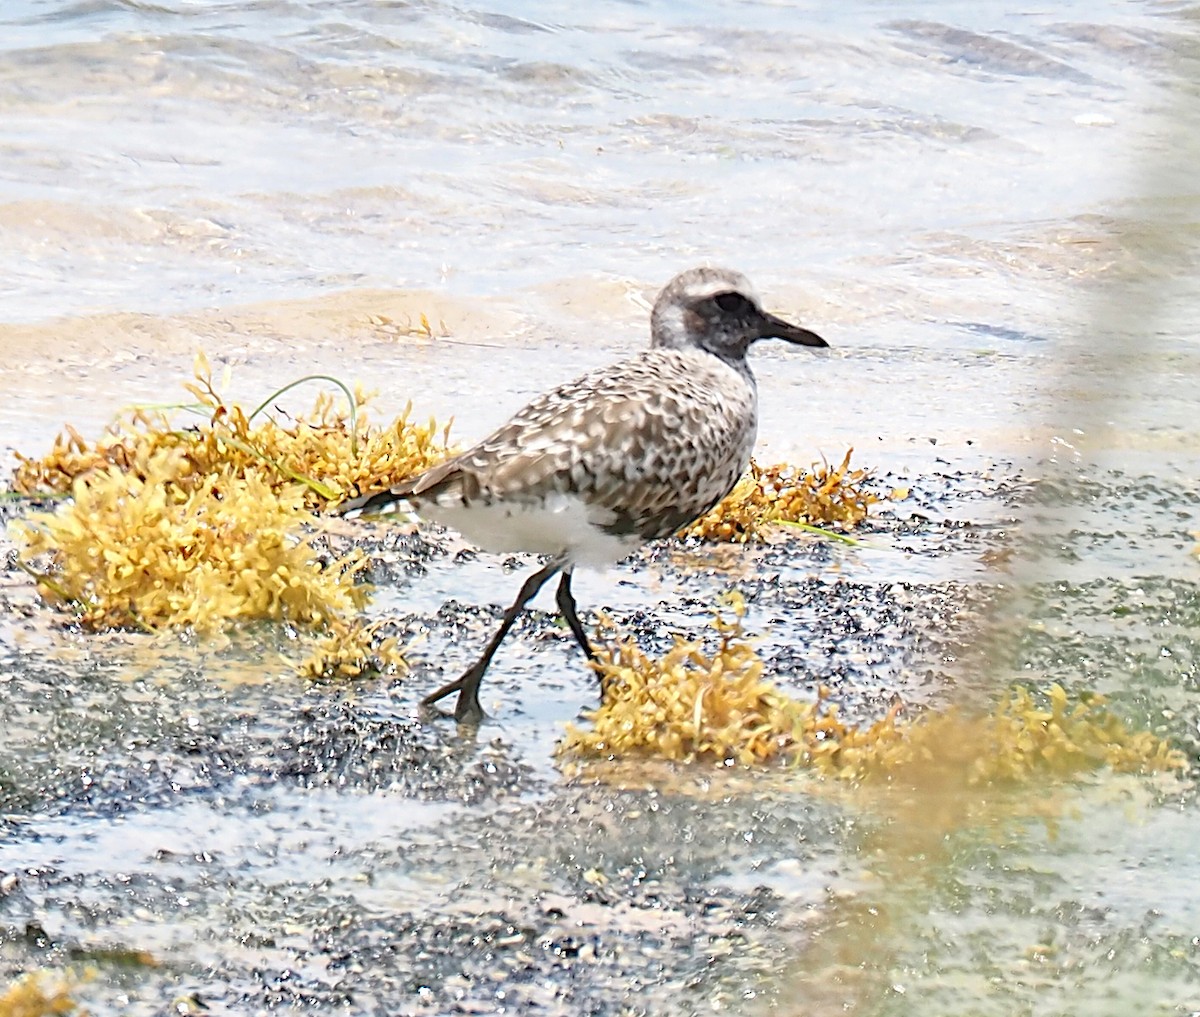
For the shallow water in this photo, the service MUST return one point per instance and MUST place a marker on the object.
(992, 218)
(190, 155)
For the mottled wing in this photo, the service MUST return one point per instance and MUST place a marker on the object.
(650, 443)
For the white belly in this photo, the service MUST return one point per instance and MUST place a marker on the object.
(563, 524)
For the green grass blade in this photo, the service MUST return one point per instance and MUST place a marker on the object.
(317, 377)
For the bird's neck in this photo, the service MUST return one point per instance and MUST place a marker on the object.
(739, 363)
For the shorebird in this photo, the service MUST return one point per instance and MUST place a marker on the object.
(625, 454)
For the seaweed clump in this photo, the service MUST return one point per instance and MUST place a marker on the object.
(770, 495)
(332, 452)
(1029, 734)
(33, 996)
(689, 704)
(156, 546)
(213, 524)
(696, 706)
(349, 649)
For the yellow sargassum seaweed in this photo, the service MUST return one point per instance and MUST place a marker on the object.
(138, 548)
(688, 704)
(767, 495)
(1028, 735)
(332, 455)
(32, 995)
(692, 705)
(206, 525)
(348, 649)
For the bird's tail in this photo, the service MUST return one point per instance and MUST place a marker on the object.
(373, 504)
(442, 479)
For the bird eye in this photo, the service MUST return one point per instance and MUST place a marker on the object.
(731, 303)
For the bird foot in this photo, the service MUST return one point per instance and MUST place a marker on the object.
(467, 710)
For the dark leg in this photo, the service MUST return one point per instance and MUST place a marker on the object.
(566, 604)
(467, 709)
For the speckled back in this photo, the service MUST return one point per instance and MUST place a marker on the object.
(656, 440)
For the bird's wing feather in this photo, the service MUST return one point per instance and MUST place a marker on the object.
(625, 440)
(618, 437)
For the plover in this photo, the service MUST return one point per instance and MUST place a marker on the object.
(624, 454)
